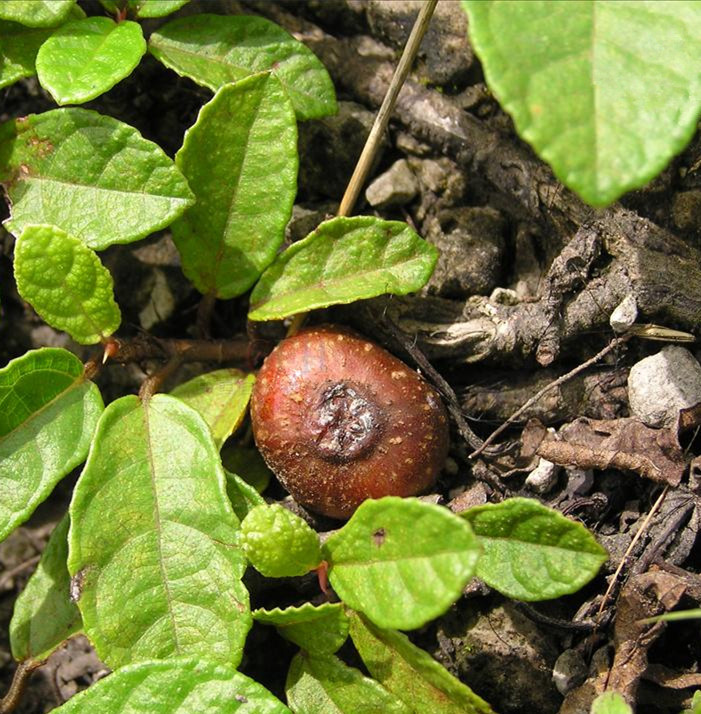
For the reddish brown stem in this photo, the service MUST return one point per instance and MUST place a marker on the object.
(19, 682)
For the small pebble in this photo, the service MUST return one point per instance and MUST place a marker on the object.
(543, 477)
(395, 187)
(624, 315)
(660, 385)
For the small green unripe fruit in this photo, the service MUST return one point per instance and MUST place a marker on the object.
(338, 420)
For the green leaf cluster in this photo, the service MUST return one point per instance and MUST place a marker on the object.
(165, 518)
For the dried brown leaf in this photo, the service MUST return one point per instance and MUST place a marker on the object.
(625, 444)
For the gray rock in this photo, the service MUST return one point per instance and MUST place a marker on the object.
(445, 49)
(570, 671)
(624, 315)
(395, 187)
(543, 477)
(660, 385)
(471, 244)
(305, 219)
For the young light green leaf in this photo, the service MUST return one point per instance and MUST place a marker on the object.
(85, 58)
(36, 13)
(343, 260)
(243, 497)
(90, 175)
(325, 684)
(578, 80)
(65, 282)
(48, 413)
(610, 703)
(248, 464)
(411, 674)
(221, 397)
(177, 686)
(318, 630)
(214, 50)
(531, 552)
(44, 614)
(19, 45)
(156, 8)
(152, 545)
(279, 543)
(398, 581)
(244, 175)
(695, 704)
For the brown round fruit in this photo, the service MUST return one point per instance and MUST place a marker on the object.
(339, 419)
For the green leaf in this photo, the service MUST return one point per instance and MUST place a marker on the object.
(410, 673)
(94, 177)
(85, 58)
(343, 260)
(317, 629)
(244, 176)
(152, 546)
(179, 686)
(531, 552)
(156, 8)
(221, 397)
(610, 703)
(325, 684)
(279, 543)
(400, 581)
(214, 50)
(243, 497)
(36, 13)
(695, 704)
(44, 615)
(19, 45)
(248, 464)
(65, 282)
(584, 89)
(48, 413)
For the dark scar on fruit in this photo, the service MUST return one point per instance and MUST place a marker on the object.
(379, 537)
(346, 424)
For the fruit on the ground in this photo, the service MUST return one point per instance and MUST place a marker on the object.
(339, 419)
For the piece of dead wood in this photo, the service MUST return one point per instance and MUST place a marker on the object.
(666, 677)
(660, 271)
(625, 444)
(644, 596)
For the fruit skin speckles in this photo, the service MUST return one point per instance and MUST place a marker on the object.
(337, 426)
